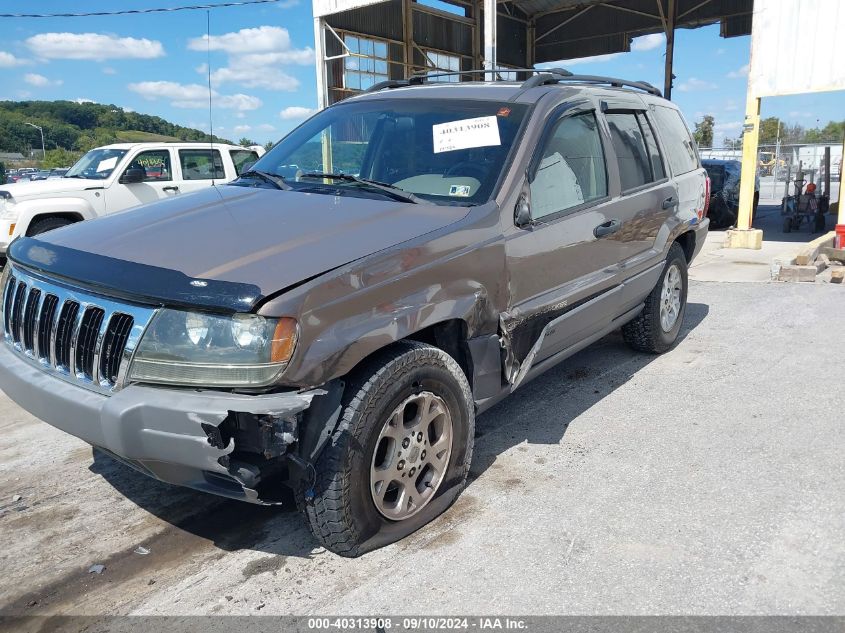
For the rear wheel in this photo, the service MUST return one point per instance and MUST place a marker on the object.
(787, 225)
(401, 453)
(47, 224)
(656, 328)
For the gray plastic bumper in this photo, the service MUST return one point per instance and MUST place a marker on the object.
(157, 431)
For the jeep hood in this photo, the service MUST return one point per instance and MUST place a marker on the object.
(266, 239)
(41, 188)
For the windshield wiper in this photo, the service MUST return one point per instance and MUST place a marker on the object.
(273, 179)
(391, 190)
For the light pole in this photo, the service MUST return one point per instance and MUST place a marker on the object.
(40, 129)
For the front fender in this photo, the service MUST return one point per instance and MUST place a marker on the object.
(28, 210)
(348, 341)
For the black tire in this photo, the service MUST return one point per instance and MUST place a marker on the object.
(645, 333)
(787, 225)
(47, 224)
(340, 509)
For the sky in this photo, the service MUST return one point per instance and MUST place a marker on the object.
(263, 75)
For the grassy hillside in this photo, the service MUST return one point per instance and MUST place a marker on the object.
(71, 129)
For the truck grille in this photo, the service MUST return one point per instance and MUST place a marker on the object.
(80, 337)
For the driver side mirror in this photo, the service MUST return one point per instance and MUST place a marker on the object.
(522, 210)
(133, 175)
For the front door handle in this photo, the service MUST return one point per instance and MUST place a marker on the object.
(670, 202)
(170, 188)
(611, 226)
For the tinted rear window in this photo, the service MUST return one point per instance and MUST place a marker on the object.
(629, 144)
(677, 142)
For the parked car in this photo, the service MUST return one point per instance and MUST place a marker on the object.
(114, 178)
(58, 173)
(41, 174)
(724, 191)
(335, 319)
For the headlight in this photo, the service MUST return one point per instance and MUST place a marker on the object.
(7, 207)
(194, 348)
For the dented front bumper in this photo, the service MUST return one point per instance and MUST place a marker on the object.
(183, 437)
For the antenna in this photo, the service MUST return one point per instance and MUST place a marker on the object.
(208, 66)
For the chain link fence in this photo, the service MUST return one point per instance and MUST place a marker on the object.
(778, 166)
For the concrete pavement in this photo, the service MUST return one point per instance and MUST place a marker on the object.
(705, 481)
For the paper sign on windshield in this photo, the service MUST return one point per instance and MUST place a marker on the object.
(109, 163)
(482, 131)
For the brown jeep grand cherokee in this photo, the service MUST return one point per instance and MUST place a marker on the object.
(335, 319)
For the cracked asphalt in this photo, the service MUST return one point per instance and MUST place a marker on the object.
(705, 481)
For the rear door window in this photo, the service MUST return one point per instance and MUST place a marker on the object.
(241, 157)
(629, 143)
(677, 141)
(201, 164)
(657, 170)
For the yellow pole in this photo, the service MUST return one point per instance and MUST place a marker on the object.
(841, 219)
(751, 134)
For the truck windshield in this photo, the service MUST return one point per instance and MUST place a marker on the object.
(449, 152)
(97, 164)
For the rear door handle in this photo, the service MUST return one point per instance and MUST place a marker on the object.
(170, 188)
(670, 202)
(611, 226)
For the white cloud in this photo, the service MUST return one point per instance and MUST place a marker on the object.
(40, 81)
(202, 69)
(694, 84)
(800, 114)
(93, 46)
(193, 96)
(81, 100)
(7, 60)
(738, 73)
(292, 113)
(266, 127)
(256, 58)
(242, 128)
(267, 77)
(287, 4)
(648, 42)
(108, 70)
(258, 40)
(730, 106)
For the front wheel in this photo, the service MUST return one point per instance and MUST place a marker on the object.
(656, 328)
(401, 453)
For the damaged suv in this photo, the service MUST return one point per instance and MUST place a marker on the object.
(335, 319)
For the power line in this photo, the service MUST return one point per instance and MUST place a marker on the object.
(196, 7)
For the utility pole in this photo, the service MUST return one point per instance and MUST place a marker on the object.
(40, 129)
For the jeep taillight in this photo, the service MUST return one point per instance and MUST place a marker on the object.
(706, 206)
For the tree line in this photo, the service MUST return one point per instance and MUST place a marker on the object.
(772, 129)
(71, 128)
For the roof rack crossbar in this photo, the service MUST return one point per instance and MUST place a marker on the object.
(540, 77)
(420, 78)
(540, 80)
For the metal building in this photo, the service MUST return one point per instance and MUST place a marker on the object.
(362, 42)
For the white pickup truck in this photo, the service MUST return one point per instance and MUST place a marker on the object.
(114, 178)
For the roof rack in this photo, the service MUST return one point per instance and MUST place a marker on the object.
(540, 77)
(418, 79)
(540, 80)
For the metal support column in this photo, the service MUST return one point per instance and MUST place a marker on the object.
(530, 44)
(669, 24)
(408, 36)
(841, 217)
(476, 34)
(490, 34)
(750, 136)
(320, 48)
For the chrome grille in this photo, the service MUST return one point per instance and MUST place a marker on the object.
(78, 336)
